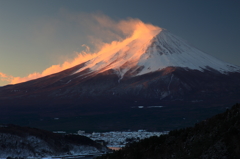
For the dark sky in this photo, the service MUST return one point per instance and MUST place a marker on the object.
(35, 34)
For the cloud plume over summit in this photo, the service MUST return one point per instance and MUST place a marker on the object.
(107, 36)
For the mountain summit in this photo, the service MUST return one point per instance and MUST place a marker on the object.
(154, 69)
(142, 56)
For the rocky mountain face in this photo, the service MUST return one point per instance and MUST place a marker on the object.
(163, 70)
(217, 137)
(16, 141)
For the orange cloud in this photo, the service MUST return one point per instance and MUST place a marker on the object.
(131, 29)
(82, 57)
(4, 77)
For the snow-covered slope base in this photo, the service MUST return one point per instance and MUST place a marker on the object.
(29, 142)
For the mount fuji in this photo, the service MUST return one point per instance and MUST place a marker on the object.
(148, 72)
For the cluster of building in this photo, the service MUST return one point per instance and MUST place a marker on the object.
(120, 139)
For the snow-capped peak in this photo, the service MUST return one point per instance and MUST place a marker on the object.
(167, 50)
(151, 51)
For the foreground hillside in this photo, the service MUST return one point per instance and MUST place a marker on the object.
(16, 141)
(215, 138)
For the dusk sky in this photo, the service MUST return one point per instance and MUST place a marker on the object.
(36, 34)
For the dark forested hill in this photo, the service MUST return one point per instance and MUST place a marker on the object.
(215, 138)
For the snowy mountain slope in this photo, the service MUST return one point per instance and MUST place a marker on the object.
(167, 50)
(153, 54)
